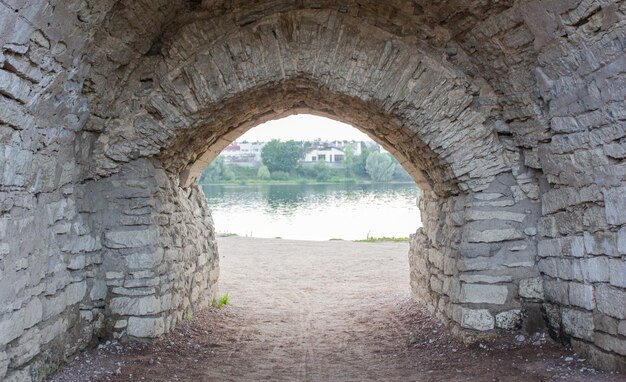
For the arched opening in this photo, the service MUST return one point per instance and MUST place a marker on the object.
(317, 186)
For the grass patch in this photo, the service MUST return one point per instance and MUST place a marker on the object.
(227, 234)
(371, 239)
(335, 239)
(219, 303)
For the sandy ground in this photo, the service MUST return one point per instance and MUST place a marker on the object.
(323, 311)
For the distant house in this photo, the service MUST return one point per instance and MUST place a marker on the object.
(332, 153)
(243, 153)
(327, 154)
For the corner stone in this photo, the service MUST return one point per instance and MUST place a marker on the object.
(481, 293)
(145, 327)
(477, 319)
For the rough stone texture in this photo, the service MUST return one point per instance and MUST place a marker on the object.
(509, 115)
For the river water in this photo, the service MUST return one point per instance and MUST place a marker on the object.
(315, 212)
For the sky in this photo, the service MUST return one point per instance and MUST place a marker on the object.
(303, 127)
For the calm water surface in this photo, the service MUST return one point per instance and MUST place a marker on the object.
(315, 212)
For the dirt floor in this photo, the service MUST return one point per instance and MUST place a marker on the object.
(323, 311)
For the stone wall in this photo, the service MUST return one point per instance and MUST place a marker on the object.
(509, 114)
(473, 261)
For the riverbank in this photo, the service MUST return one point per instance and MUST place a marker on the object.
(299, 181)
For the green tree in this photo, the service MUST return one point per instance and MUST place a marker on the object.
(217, 171)
(348, 162)
(360, 161)
(263, 173)
(380, 167)
(322, 171)
(281, 156)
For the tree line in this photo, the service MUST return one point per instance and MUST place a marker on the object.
(280, 162)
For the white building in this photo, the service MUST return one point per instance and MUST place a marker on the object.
(243, 153)
(327, 154)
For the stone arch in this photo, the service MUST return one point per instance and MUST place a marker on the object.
(95, 106)
(212, 80)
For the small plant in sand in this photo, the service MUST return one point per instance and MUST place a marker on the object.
(220, 302)
(190, 317)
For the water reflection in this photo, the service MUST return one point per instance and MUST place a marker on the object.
(315, 212)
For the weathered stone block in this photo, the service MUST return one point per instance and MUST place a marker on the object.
(621, 241)
(477, 319)
(610, 301)
(601, 243)
(556, 291)
(145, 260)
(130, 239)
(494, 235)
(582, 295)
(509, 320)
(145, 327)
(610, 342)
(135, 306)
(483, 293)
(578, 323)
(615, 205)
(617, 273)
(595, 269)
(71, 295)
(531, 288)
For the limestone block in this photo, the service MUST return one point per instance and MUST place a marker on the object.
(605, 323)
(556, 291)
(531, 288)
(484, 293)
(617, 272)
(601, 243)
(134, 291)
(476, 215)
(11, 326)
(582, 295)
(4, 364)
(13, 114)
(485, 278)
(26, 348)
(135, 306)
(71, 295)
(145, 327)
(494, 235)
(14, 86)
(564, 246)
(615, 205)
(509, 320)
(33, 312)
(564, 124)
(52, 331)
(15, 166)
(610, 301)
(130, 239)
(578, 323)
(596, 269)
(477, 319)
(84, 243)
(98, 290)
(621, 328)
(621, 241)
(610, 342)
(145, 260)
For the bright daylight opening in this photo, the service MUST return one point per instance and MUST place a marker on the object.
(307, 177)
